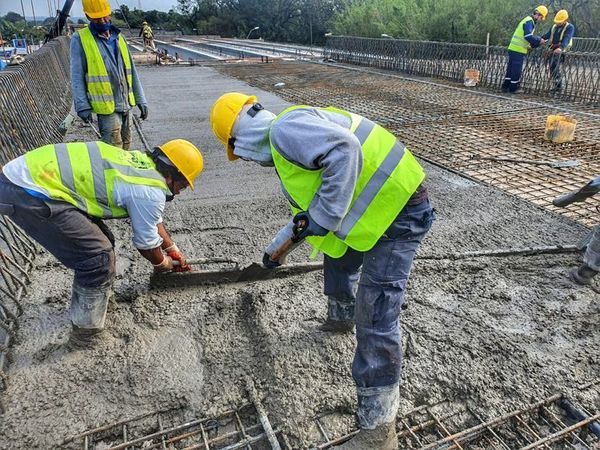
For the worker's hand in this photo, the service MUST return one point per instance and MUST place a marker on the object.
(557, 51)
(175, 254)
(306, 226)
(166, 265)
(143, 111)
(268, 262)
(85, 115)
(543, 41)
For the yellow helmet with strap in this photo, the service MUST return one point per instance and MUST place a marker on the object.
(186, 157)
(96, 9)
(223, 115)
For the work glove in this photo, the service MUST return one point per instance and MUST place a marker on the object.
(557, 51)
(85, 115)
(175, 254)
(143, 111)
(166, 265)
(268, 263)
(306, 226)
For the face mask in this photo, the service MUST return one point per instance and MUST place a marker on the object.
(100, 28)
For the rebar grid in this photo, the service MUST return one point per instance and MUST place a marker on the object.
(454, 127)
(546, 424)
(244, 427)
(581, 70)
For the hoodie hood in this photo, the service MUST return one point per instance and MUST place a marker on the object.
(252, 136)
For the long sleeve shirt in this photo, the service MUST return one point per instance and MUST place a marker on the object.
(555, 40)
(528, 28)
(317, 139)
(109, 50)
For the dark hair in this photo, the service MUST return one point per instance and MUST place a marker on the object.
(165, 168)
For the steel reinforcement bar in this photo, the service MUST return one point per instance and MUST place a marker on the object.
(580, 70)
(34, 99)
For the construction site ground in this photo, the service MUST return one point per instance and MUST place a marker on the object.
(493, 334)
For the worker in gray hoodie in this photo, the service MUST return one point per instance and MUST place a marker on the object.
(357, 196)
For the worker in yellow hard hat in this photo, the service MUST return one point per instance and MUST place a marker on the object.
(357, 195)
(148, 36)
(104, 79)
(560, 38)
(59, 194)
(522, 40)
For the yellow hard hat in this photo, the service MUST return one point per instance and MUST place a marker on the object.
(223, 115)
(543, 11)
(186, 157)
(561, 16)
(96, 9)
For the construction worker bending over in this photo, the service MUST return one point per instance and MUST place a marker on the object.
(59, 194)
(591, 256)
(104, 79)
(148, 36)
(522, 40)
(357, 196)
(560, 37)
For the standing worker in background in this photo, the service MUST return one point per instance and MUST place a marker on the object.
(104, 79)
(357, 196)
(59, 194)
(148, 36)
(522, 40)
(591, 258)
(560, 37)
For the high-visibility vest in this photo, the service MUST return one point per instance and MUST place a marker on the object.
(518, 43)
(562, 36)
(390, 175)
(99, 90)
(84, 174)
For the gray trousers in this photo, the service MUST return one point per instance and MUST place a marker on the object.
(115, 129)
(81, 243)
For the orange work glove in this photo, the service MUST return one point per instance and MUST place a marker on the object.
(175, 254)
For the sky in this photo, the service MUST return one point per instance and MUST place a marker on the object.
(41, 6)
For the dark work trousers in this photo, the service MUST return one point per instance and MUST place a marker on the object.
(554, 63)
(512, 80)
(115, 129)
(379, 297)
(66, 232)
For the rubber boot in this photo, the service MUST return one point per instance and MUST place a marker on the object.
(337, 326)
(377, 409)
(85, 338)
(583, 274)
(340, 315)
(88, 313)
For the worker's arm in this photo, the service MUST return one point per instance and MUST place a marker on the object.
(534, 41)
(311, 139)
(136, 84)
(78, 71)
(546, 35)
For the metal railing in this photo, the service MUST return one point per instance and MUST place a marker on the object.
(581, 71)
(34, 99)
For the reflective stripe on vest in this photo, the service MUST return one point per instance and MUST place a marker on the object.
(518, 43)
(99, 89)
(84, 173)
(389, 176)
(562, 36)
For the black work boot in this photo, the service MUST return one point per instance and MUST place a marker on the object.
(84, 338)
(337, 326)
(381, 438)
(583, 274)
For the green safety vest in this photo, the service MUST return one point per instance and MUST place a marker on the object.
(390, 175)
(99, 90)
(562, 36)
(84, 173)
(518, 43)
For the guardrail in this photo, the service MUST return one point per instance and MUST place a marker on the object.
(581, 71)
(34, 100)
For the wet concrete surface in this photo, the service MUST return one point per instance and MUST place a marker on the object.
(494, 333)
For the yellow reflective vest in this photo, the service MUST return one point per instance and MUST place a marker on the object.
(84, 173)
(390, 175)
(562, 36)
(99, 90)
(518, 43)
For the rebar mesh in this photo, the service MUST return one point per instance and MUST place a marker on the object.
(588, 45)
(34, 99)
(581, 71)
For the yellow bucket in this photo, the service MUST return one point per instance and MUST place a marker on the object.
(471, 77)
(560, 129)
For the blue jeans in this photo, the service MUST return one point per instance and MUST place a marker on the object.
(375, 297)
(512, 80)
(115, 129)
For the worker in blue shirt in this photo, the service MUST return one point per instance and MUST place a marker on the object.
(522, 40)
(560, 37)
(104, 79)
